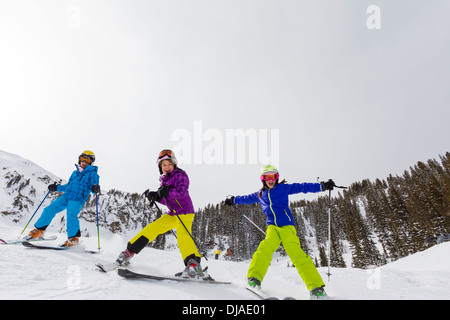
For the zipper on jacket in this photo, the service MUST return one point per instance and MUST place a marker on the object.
(82, 174)
(270, 206)
(285, 212)
(178, 204)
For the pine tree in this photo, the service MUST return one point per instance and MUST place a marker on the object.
(323, 257)
(400, 217)
(336, 252)
(444, 180)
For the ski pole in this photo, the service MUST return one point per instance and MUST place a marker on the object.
(160, 212)
(34, 213)
(329, 234)
(185, 228)
(235, 207)
(98, 228)
(329, 228)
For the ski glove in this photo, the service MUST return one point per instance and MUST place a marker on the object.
(163, 192)
(151, 195)
(52, 187)
(229, 201)
(96, 188)
(329, 185)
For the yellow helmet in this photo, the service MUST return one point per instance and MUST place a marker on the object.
(89, 154)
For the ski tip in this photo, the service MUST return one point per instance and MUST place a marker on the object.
(100, 267)
(106, 267)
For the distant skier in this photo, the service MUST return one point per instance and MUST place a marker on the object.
(82, 182)
(274, 200)
(227, 255)
(173, 192)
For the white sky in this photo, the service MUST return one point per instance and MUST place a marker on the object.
(120, 77)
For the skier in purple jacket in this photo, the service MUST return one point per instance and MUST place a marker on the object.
(173, 193)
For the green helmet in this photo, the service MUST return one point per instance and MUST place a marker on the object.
(269, 169)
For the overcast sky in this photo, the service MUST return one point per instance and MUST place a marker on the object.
(345, 90)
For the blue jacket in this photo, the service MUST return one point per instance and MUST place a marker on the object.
(80, 184)
(275, 202)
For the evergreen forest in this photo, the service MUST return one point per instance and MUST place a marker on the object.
(377, 221)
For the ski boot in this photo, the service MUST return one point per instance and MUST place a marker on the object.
(71, 242)
(254, 283)
(34, 234)
(318, 293)
(124, 258)
(194, 270)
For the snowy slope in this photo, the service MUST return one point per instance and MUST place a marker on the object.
(34, 274)
(23, 185)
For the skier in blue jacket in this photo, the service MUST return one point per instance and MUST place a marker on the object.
(274, 200)
(75, 193)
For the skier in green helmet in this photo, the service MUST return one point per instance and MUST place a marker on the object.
(274, 200)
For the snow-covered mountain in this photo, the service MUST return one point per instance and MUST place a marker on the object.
(372, 222)
(31, 274)
(23, 185)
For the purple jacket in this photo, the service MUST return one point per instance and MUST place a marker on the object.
(179, 200)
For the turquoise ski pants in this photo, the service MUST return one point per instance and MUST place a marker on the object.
(62, 203)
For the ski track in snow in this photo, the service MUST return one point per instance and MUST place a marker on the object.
(36, 274)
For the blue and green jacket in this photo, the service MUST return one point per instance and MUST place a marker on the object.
(275, 202)
(80, 184)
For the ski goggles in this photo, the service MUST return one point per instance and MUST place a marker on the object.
(85, 159)
(165, 153)
(270, 177)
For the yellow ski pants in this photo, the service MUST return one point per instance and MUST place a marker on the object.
(162, 225)
(288, 236)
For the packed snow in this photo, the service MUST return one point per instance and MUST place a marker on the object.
(36, 274)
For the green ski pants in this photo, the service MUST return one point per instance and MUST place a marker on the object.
(288, 236)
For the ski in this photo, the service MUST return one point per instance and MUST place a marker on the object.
(60, 248)
(262, 296)
(31, 245)
(134, 275)
(108, 266)
(19, 241)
